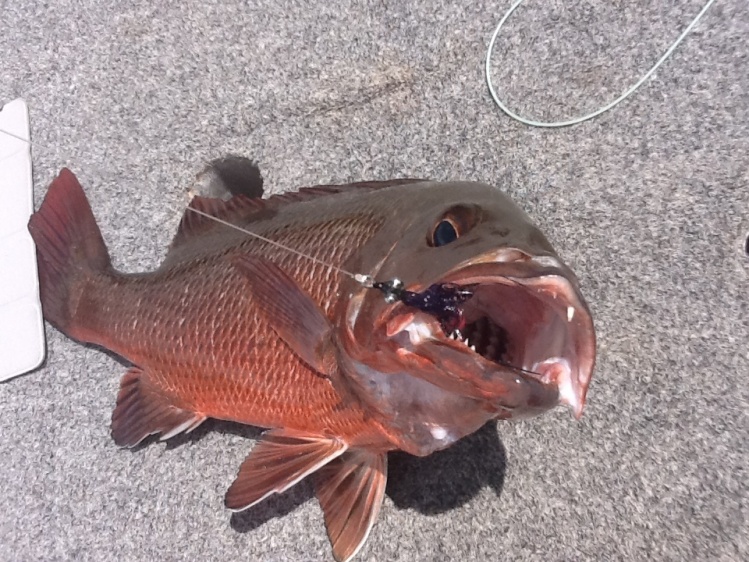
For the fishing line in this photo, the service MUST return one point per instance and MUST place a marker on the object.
(575, 121)
(431, 300)
(365, 280)
(438, 300)
(15, 136)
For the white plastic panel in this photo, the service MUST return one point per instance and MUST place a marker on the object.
(21, 325)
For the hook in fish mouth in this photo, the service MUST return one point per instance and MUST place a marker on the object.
(526, 315)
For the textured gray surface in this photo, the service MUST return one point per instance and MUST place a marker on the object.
(649, 204)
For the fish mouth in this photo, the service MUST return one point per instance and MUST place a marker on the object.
(526, 314)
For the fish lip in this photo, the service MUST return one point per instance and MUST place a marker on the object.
(565, 324)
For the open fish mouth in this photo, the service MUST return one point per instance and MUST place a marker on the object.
(527, 315)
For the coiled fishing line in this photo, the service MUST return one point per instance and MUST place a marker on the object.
(596, 113)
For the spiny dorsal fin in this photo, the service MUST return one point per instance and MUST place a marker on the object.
(350, 490)
(193, 224)
(143, 410)
(243, 208)
(279, 461)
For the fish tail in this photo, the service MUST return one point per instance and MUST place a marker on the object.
(69, 249)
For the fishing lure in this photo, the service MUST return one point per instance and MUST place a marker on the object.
(441, 300)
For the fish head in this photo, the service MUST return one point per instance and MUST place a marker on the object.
(523, 340)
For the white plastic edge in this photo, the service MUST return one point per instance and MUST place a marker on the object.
(22, 345)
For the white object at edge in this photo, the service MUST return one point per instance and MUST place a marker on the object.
(21, 326)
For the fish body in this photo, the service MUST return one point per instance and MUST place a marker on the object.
(234, 327)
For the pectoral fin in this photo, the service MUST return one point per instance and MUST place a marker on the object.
(280, 460)
(350, 490)
(293, 315)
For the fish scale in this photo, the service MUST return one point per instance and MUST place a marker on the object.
(238, 378)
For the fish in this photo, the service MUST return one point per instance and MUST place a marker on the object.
(281, 326)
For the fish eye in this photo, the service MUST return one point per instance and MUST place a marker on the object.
(444, 233)
(455, 222)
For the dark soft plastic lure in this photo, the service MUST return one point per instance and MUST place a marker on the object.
(442, 300)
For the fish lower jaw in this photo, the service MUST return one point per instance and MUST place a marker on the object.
(557, 371)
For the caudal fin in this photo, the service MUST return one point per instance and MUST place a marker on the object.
(69, 247)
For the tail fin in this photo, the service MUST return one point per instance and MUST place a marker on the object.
(69, 246)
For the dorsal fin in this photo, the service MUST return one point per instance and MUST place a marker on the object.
(243, 208)
(230, 175)
(194, 224)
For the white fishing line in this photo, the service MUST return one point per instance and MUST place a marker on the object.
(596, 113)
(365, 280)
(362, 279)
(14, 136)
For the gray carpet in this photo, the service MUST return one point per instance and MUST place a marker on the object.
(649, 204)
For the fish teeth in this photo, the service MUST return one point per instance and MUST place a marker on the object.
(456, 335)
(473, 348)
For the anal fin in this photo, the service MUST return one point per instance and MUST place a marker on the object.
(350, 490)
(144, 410)
(279, 461)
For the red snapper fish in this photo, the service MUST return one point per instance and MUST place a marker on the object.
(480, 321)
